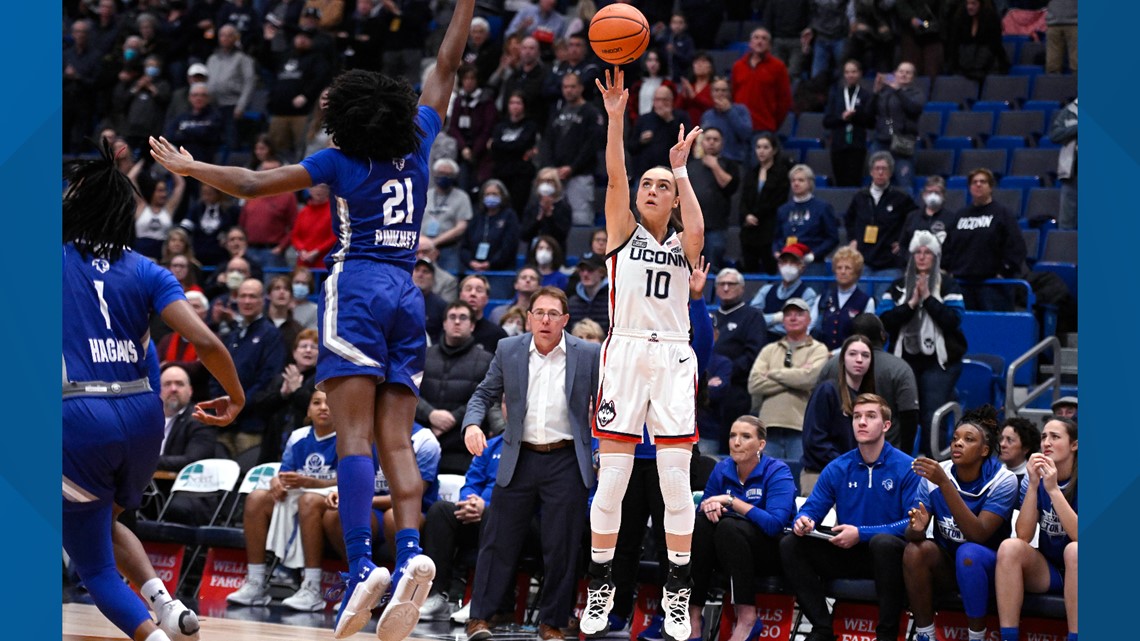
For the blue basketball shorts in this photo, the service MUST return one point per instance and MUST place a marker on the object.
(372, 324)
(110, 448)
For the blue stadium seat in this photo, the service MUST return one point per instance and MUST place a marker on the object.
(993, 159)
(957, 183)
(1017, 41)
(1031, 71)
(1007, 334)
(1046, 107)
(944, 108)
(1043, 203)
(1024, 183)
(994, 107)
(955, 144)
(810, 125)
(1032, 239)
(976, 385)
(1007, 144)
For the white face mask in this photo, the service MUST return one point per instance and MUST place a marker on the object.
(545, 189)
(234, 279)
(789, 272)
(512, 329)
(933, 200)
(544, 256)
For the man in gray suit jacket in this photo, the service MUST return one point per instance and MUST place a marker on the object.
(548, 379)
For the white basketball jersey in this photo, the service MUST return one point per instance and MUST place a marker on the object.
(649, 284)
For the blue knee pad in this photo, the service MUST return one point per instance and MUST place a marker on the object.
(974, 564)
(87, 539)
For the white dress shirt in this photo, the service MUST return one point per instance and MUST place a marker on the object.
(547, 417)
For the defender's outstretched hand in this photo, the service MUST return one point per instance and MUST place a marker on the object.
(177, 161)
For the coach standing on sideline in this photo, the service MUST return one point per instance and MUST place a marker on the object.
(548, 379)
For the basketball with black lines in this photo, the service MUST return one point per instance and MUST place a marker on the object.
(619, 34)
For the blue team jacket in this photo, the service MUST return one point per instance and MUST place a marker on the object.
(769, 488)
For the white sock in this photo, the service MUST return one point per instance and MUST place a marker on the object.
(975, 636)
(602, 555)
(255, 572)
(157, 635)
(155, 592)
(679, 558)
(312, 575)
(928, 631)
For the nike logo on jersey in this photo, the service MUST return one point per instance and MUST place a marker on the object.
(685, 359)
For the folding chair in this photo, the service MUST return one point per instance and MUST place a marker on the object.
(201, 477)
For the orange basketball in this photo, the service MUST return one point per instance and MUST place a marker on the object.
(619, 34)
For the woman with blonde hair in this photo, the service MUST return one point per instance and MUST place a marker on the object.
(843, 300)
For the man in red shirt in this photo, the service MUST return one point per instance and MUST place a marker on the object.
(268, 221)
(760, 82)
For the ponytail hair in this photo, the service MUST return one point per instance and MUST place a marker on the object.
(98, 205)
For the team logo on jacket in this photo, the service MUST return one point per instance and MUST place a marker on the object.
(888, 484)
(100, 265)
(606, 413)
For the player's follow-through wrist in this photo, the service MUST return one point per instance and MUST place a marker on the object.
(680, 172)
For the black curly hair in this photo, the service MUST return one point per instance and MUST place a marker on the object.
(98, 206)
(985, 419)
(371, 115)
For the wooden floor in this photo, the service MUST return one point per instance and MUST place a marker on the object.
(85, 623)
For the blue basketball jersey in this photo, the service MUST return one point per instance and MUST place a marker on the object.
(428, 452)
(106, 314)
(1052, 539)
(995, 490)
(378, 204)
(309, 454)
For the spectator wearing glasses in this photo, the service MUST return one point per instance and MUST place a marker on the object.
(741, 334)
(452, 370)
(782, 379)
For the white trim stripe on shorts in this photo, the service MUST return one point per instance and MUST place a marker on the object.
(75, 494)
(334, 343)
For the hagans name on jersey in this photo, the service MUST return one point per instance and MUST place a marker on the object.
(109, 350)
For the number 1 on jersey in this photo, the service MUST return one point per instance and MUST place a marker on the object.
(657, 284)
(395, 210)
(102, 302)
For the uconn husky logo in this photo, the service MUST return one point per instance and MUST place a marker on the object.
(606, 413)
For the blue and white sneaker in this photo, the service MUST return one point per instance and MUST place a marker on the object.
(413, 585)
(362, 593)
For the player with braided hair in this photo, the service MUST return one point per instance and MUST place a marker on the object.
(372, 315)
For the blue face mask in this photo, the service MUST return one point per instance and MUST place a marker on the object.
(445, 182)
(491, 201)
(152, 72)
(300, 290)
(129, 54)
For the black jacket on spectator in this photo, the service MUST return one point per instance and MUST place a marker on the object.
(488, 335)
(510, 144)
(655, 151)
(199, 133)
(983, 242)
(297, 74)
(896, 318)
(861, 121)
(259, 356)
(451, 375)
(205, 225)
(786, 18)
(917, 220)
(485, 59)
(596, 309)
(571, 139)
(742, 334)
(556, 225)
(282, 413)
(409, 30)
(530, 84)
(364, 37)
(888, 215)
(756, 242)
(500, 232)
(898, 110)
(188, 441)
(716, 201)
(434, 309)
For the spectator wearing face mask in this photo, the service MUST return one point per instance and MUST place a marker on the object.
(807, 221)
(493, 235)
(772, 297)
(546, 255)
(547, 213)
(932, 216)
(513, 321)
(446, 215)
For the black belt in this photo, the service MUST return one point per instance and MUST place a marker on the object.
(547, 447)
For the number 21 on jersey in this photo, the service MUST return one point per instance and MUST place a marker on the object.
(399, 204)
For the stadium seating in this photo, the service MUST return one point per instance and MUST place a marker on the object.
(1012, 90)
(956, 89)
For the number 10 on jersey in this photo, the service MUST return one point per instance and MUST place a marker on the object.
(657, 284)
